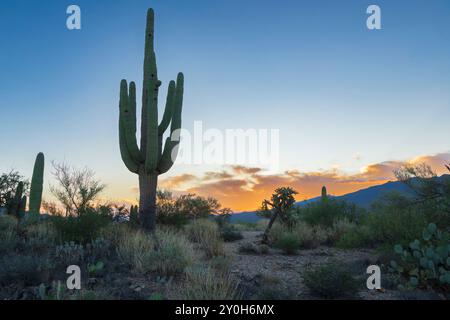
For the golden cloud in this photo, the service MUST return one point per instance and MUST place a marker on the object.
(243, 188)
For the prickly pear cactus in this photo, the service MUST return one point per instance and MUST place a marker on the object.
(425, 263)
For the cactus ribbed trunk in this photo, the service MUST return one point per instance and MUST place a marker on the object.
(147, 200)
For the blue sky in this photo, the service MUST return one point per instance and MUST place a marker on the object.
(309, 68)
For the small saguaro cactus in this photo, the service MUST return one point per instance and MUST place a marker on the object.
(324, 196)
(37, 182)
(16, 205)
(151, 159)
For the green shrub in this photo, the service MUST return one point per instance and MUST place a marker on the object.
(248, 248)
(307, 237)
(40, 237)
(425, 263)
(331, 280)
(359, 237)
(326, 213)
(206, 234)
(24, 270)
(177, 211)
(220, 263)
(260, 225)
(288, 242)
(263, 249)
(173, 255)
(167, 253)
(207, 284)
(230, 233)
(341, 227)
(135, 251)
(81, 229)
(115, 233)
(393, 220)
(9, 240)
(7, 222)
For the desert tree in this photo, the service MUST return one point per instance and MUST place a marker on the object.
(430, 193)
(279, 205)
(8, 185)
(76, 189)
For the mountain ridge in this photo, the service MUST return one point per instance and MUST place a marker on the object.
(362, 198)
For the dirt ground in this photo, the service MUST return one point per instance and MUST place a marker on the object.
(278, 269)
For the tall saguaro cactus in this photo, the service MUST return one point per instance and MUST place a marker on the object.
(151, 159)
(37, 182)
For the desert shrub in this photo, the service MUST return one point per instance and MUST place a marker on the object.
(177, 211)
(307, 237)
(97, 250)
(263, 249)
(341, 227)
(201, 229)
(261, 225)
(359, 237)
(248, 248)
(9, 240)
(40, 237)
(135, 251)
(69, 253)
(82, 228)
(244, 226)
(271, 288)
(288, 242)
(24, 270)
(167, 253)
(430, 194)
(331, 280)
(7, 222)
(206, 234)
(173, 255)
(392, 220)
(229, 233)
(207, 284)
(326, 213)
(425, 263)
(220, 263)
(115, 233)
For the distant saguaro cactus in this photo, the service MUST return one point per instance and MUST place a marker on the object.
(37, 182)
(324, 197)
(150, 160)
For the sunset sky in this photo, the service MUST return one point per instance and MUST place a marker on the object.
(351, 104)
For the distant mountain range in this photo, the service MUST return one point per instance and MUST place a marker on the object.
(362, 198)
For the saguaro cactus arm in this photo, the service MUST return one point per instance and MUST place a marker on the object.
(129, 121)
(168, 111)
(171, 145)
(127, 158)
